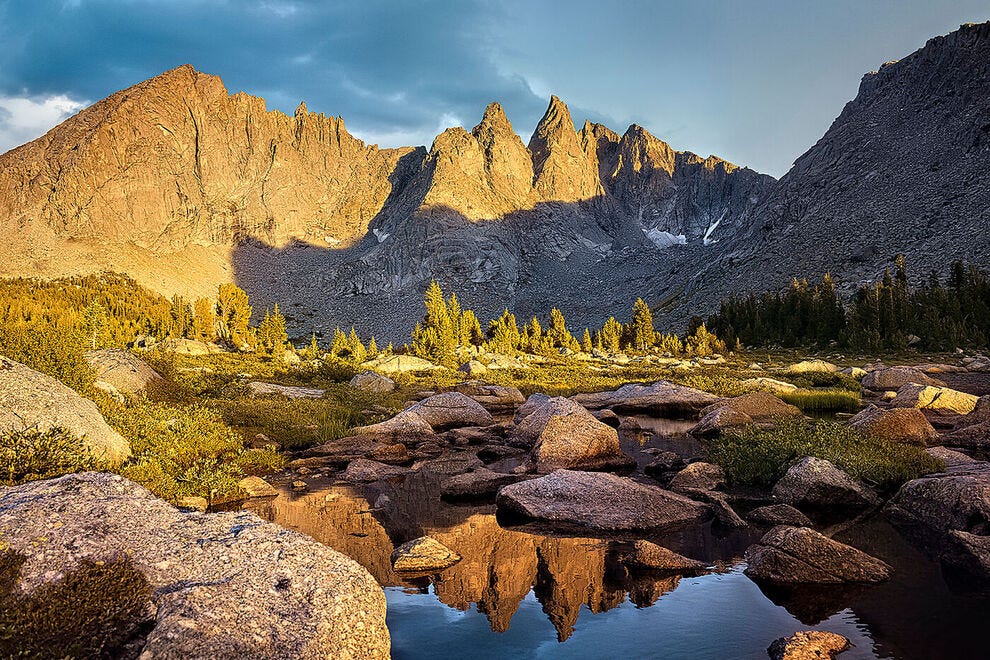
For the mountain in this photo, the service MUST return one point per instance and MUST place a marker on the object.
(184, 186)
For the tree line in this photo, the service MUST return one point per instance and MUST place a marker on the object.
(940, 315)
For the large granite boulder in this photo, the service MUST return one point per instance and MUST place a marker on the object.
(937, 399)
(533, 403)
(598, 501)
(407, 424)
(32, 400)
(661, 399)
(424, 554)
(122, 370)
(950, 457)
(450, 410)
(565, 435)
(698, 476)
(811, 367)
(787, 555)
(374, 382)
(906, 425)
(949, 513)
(974, 436)
(190, 347)
(225, 585)
(890, 379)
(399, 364)
(719, 421)
(759, 406)
(816, 484)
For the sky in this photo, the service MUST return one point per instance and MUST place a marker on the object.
(751, 81)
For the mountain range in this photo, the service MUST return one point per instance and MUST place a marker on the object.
(184, 186)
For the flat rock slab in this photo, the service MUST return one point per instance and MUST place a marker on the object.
(31, 399)
(661, 399)
(939, 399)
(226, 585)
(451, 410)
(599, 501)
(894, 378)
(257, 388)
(788, 555)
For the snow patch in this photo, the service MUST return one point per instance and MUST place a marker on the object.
(664, 239)
(380, 235)
(707, 239)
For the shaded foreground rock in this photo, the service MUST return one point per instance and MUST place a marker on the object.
(661, 399)
(423, 554)
(950, 514)
(808, 645)
(598, 501)
(646, 554)
(218, 578)
(802, 555)
(814, 483)
(907, 425)
(30, 399)
(477, 484)
(698, 477)
(362, 470)
(778, 514)
(565, 435)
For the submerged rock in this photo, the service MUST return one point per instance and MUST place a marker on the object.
(655, 557)
(815, 483)
(422, 555)
(661, 399)
(778, 514)
(802, 555)
(217, 578)
(256, 487)
(599, 501)
(33, 400)
(363, 470)
(808, 645)
(720, 420)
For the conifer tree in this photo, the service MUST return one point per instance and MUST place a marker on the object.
(471, 333)
(181, 316)
(356, 350)
(434, 339)
(586, 345)
(234, 313)
(641, 328)
(372, 348)
(95, 326)
(339, 345)
(204, 320)
(504, 333)
(611, 335)
(271, 335)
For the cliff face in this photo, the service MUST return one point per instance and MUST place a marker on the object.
(184, 187)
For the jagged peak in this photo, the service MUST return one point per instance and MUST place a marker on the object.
(301, 110)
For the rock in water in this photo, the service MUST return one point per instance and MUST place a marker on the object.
(894, 378)
(599, 501)
(30, 399)
(661, 399)
(218, 578)
(423, 554)
(122, 370)
(699, 476)
(655, 557)
(815, 483)
(778, 514)
(565, 435)
(801, 555)
(808, 645)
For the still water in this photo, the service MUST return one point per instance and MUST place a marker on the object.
(528, 593)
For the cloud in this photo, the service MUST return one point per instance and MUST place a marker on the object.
(23, 119)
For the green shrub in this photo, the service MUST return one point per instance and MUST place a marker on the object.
(32, 454)
(92, 611)
(823, 400)
(51, 351)
(754, 457)
(261, 461)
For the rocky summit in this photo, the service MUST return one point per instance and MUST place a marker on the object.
(184, 186)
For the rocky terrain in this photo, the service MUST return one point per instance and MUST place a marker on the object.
(184, 186)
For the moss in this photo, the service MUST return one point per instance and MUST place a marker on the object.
(754, 457)
(93, 611)
(32, 454)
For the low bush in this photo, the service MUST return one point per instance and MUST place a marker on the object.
(51, 351)
(32, 454)
(755, 457)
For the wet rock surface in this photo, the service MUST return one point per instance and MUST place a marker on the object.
(802, 555)
(808, 645)
(816, 484)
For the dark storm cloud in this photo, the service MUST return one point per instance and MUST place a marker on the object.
(395, 71)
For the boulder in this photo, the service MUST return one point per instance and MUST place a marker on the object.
(473, 369)
(364, 470)
(451, 409)
(787, 555)
(32, 400)
(778, 514)
(256, 487)
(492, 397)
(949, 457)
(761, 407)
(598, 501)
(940, 399)
(407, 424)
(814, 483)
(565, 435)
(217, 579)
(122, 370)
(658, 558)
(477, 484)
(894, 378)
(698, 477)
(808, 645)
(393, 454)
(341, 451)
(661, 399)
(664, 463)
(811, 367)
(374, 382)
(906, 425)
(533, 403)
(764, 384)
(422, 555)
(289, 391)
(720, 420)
(855, 372)
(450, 463)
(188, 347)
(975, 436)
(949, 513)
(399, 364)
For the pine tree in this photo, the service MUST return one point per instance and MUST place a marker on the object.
(586, 345)
(271, 335)
(372, 348)
(204, 320)
(181, 316)
(434, 339)
(611, 335)
(95, 326)
(643, 334)
(471, 333)
(356, 350)
(234, 313)
(504, 333)
(339, 345)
